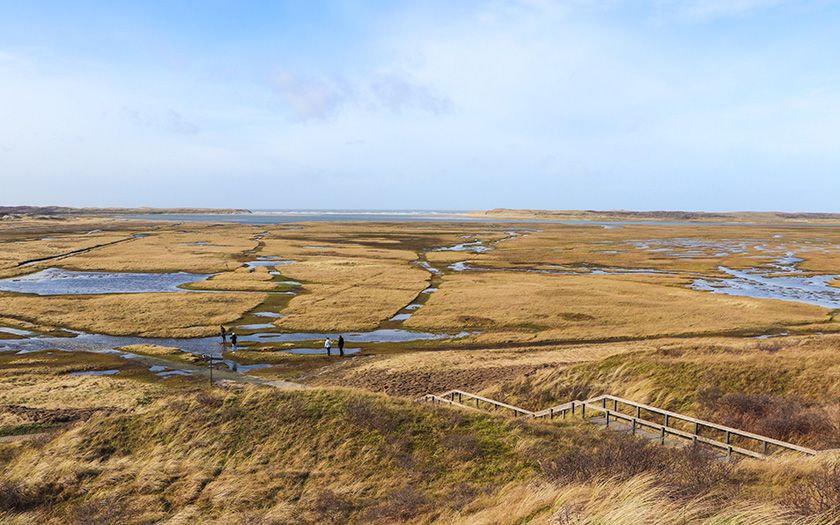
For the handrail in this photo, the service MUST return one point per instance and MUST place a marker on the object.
(709, 424)
(665, 430)
(460, 393)
(438, 399)
(449, 396)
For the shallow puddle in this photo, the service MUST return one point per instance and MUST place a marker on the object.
(755, 283)
(320, 351)
(550, 269)
(95, 373)
(258, 326)
(382, 335)
(16, 331)
(474, 247)
(268, 314)
(428, 267)
(57, 281)
(269, 262)
(174, 373)
(205, 345)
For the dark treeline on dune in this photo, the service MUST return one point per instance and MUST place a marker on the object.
(63, 210)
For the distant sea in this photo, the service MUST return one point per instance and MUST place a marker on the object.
(287, 216)
(291, 216)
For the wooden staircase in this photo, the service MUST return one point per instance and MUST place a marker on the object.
(637, 418)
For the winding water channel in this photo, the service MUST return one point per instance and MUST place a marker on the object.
(780, 279)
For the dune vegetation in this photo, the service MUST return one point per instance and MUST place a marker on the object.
(252, 455)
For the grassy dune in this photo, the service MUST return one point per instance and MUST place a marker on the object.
(786, 388)
(334, 456)
(416, 373)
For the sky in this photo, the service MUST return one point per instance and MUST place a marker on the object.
(715, 105)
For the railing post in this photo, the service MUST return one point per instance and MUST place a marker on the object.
(728, 437)
(459, 397)
(697, 429)
(764, 448)
(573, 408)
(667, 418)
(662, 435)
(729, 451)
(615, 405)
(583, 411)
(604, 403)
(551, 413)
(607, 415)
(633, 421)
(639, 412)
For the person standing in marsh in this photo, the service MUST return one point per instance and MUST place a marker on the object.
(341, 345)
(328, 346)
(223, 333)
(233, 340)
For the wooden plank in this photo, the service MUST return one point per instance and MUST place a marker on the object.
(709, 424)
(492, 402)
(676, 432)
(599, 404)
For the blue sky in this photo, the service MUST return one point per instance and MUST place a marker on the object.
(613, 104)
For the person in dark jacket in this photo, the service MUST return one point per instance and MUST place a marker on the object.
(223, 333)
(341, 345)
(233, 340)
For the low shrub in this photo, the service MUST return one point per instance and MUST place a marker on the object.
(777, 417)
(817, 493)
(399, 506)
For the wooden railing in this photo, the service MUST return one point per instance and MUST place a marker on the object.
(641, 417)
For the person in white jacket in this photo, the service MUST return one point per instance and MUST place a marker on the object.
(328, 345)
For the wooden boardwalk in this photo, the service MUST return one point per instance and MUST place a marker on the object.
(638, 418)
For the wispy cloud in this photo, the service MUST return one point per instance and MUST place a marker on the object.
(310, 98)
(320, 98)
(398, 92)
(170, 121)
